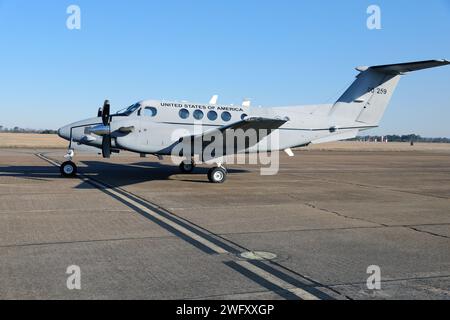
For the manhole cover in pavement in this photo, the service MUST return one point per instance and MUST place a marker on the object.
(258, 255)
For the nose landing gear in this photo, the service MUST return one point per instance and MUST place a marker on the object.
(68, 169)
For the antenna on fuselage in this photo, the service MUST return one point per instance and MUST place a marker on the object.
(246, 103)
(213, 100)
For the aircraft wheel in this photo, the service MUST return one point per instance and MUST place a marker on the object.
(68, 169)
(187, 166)
(217, 175)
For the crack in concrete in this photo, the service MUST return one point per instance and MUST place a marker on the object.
(428, 232)
(379, 187)
(342, 215)
(335, 212)
(376, 223)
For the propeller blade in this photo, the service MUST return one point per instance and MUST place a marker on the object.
(106, 146)
(100, 112)
(106, 140)
(106, 112)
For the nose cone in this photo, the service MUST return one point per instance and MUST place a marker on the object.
(76, 131)
(64, 132)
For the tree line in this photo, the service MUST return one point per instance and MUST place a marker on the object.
(26, 130)
(403, 138)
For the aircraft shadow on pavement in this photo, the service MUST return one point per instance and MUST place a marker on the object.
(115, 174)
(40, 173)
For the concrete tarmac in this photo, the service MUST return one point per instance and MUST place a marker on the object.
(138, 229)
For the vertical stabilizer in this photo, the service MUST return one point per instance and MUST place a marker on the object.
(366, 100)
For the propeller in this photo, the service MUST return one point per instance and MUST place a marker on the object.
(104, 129)
(106, 119)
(106, 112)
(106, 146)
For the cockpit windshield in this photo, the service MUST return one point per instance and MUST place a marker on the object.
(127, 111)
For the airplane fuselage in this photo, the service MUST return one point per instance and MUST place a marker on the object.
(157, 125)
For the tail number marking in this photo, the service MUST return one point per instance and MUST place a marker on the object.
(377, 90)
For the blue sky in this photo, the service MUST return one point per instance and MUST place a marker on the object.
(275, 52)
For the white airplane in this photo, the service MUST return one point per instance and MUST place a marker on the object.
(159, 127)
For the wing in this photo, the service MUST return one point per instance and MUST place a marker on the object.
(233, 138)
(248, 123)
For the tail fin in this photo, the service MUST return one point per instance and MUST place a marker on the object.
(366, 100)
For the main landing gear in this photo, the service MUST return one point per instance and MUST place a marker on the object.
(68, 169)
(216, 174)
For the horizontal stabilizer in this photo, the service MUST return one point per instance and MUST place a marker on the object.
(401, 68)
(338, 137)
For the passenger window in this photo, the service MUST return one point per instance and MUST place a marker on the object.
(184, 113)
(226, 116)
(212, 115)
(198, 114)
(150, 111)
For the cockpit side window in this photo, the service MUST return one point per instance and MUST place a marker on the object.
(149, 111)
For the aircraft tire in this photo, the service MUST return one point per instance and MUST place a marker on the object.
(217, 175)
(68, 169)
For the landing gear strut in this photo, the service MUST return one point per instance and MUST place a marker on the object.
(187, 166)
(68, 169)
(217, 174)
